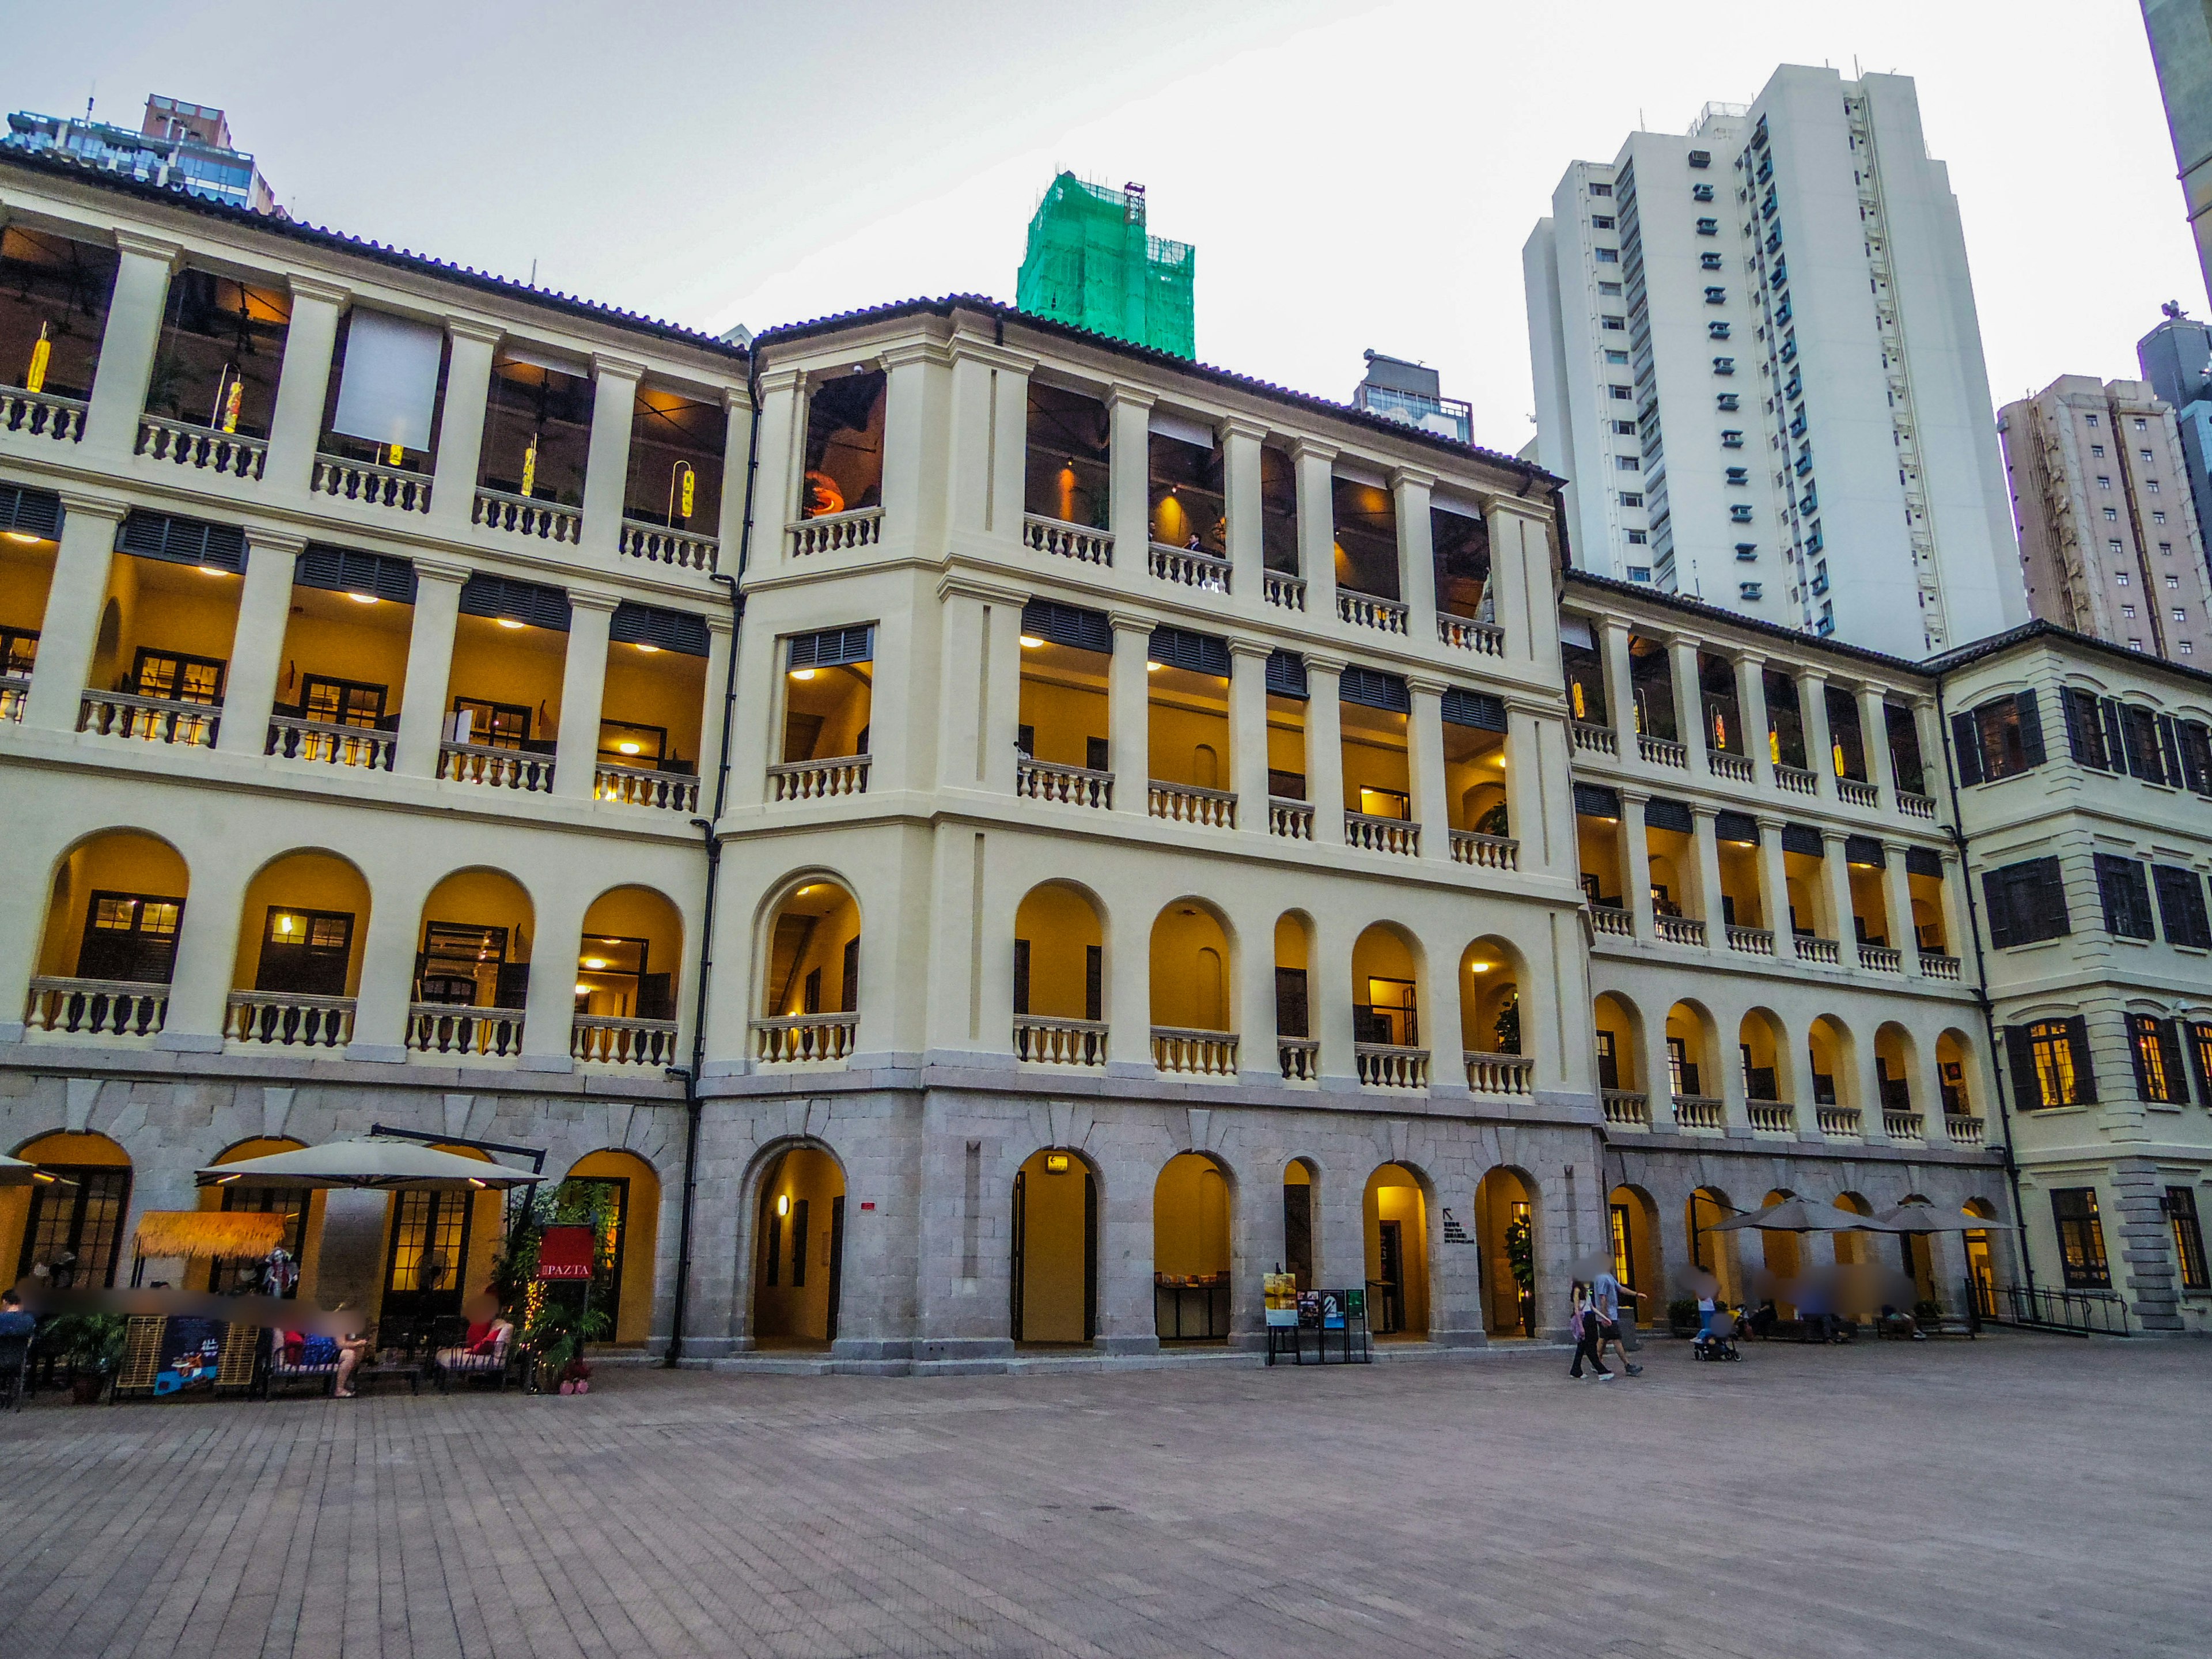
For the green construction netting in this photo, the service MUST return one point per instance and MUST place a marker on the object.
(1091, 263)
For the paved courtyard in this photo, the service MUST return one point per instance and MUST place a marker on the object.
(2016, 1496)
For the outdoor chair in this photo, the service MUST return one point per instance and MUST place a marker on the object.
(15, 1369)
(275, 1370)
(456, 1362)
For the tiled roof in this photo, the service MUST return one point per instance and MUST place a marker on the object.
(1976, 650)
(1797, 638)
(944, 305)
(57, 165)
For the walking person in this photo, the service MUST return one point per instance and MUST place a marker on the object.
(1605, 1300)
(1582, 1321)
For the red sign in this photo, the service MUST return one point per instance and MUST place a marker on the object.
(566, 1252)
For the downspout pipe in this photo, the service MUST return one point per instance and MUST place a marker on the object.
(1981, 986)
(711, 845)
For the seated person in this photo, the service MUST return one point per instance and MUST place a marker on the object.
(1763, 1318)
(488, 1333)
(1895, 1323)
(14, 1322)
(349, 1351)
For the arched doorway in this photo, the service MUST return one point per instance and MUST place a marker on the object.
(438, 1250)
(303, 1224)
(1301, 1209)
(473, 953)
(1060, 976)
(1619, 1038)
(1766, 1059)
(1693, 1077)
(301, 930)
(1191, 1261)
(1491, 977)
(114, 911)
(1853, 1250)
(1712, 1253)
(1054, 1290)
(811, 976)
(1505, 1223)
(1981, 1257)
(1632, 1227)
(1917, 1257)
(1828, 1048)
(1896, 1061)
(1952, 1049)
(1297, 1039)
(1396, 1213)
(624, 1292)
(798, 1248)
(1786, 1256)
(67, 1225)
(1192, 1005)
(628, 959)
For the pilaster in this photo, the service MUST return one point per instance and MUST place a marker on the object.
(256, 652)
(583, 694)
(70, 628)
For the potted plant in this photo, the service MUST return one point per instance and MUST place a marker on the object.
(1520, 1262)
(555, 1338)
(92, 1344)
(1682, 1316)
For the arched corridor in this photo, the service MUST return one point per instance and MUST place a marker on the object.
(1191, 1274)
(474, 953)
(115, 909)
(302, 932)
(1060, 976)
(1192, 999)
(62, 1230)
(629, 1255)
(1055, 1284)
(1633, 1232)
(1505, 1223)
(798, 1248)
(810, 976)
(1395, 1211)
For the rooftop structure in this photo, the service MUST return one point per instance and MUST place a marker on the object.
(1413, 393)
(1091, 261)
(188, 145)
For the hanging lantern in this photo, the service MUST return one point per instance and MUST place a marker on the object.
(681, 484)
(231, 401)
(40, 354)
(399, 454)
(530, 465)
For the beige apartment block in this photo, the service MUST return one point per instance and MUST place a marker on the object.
(1028, 833)
(2109, 541)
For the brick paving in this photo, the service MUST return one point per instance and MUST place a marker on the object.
(2017, 1496)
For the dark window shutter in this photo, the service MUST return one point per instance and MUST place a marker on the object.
(1924, 861)
(648, 624)
(2197, 1035)
(1803, 838)
(1865, 850)
(1736, 826)
(848, 999)
(2139, 727)
(2196, 757)
(2020, 1061)
(2085, 741)
(1094, 981)
(1373, 688)
(2084, 1073)
(2126, 896)
(182, 541)
(831, 647)
(2169, 748)
(1966, 745)
(1661, 813)
(1069, 625)
(523, 602)
(2047, 902)
(2140, 1026)
(1476, 708)
(1286, 674)
(2181, 905)
(1996, 899)
(2031, 726)
(30, 512)
(1596, 801)
(346, 570)
(1021, 976)
(2169, 1050)
(2115, 740)
(1199, 654)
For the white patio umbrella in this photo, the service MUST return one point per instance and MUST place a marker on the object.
(13, 1172)
(1926, 1219)
(1795, 1215)
(375, 1161)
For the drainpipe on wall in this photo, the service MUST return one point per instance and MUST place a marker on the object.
(712, 847)
(1982, 985)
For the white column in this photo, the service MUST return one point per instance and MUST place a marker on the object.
(1258, 1060)
(1620, 685)
(549, 1016)
(583, 694)
(1316, 473)
(1812, 719)
(907, 431)
(1873, 742)
(1933, 771)
(1636, 854)
(388, 978)
(607, 461)
(1539, 792)
(777, 479)
(737, 458)
(1325, 749)
(1416, 555)
(127, 347)
(1955, 942)
(1243, 492)
(1010, 449)
(207, 957)
(470, 347)
(1129, 712)
(719, 636)
(1247, 732)
(70, 632)
(1129, 487)
(1896, 898)
(1751, 714)
(1835, 871)
(303, 384)
(1425, 739)
(1689, 706)
(257, 650)
(1525, 590)
(429, 668)
(1774, 888)
(1707, 846)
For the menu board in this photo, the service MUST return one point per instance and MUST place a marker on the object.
(1280, 1291)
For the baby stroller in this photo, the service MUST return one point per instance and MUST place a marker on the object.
(1718, 1340)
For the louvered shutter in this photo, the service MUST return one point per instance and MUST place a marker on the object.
(2031, 726)
(2020, 1061)
(2084, 741)
(1996, 895)
(2169, 1050)
(2136, 1035)
(2169, 748)
(2084, 1073)
(2116, 737)
(2048, 901)
(1966, 745)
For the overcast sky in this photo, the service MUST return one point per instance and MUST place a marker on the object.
(1353, 174)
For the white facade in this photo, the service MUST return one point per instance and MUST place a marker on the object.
(1757, 360)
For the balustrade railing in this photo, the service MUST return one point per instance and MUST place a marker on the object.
(371, 485)
(1796, 781)
(446, 1028)
(805, 1039)
(1611, 920)
(1852, 793)
(1387, 1065)
(1299, 1057)
(603, 1040)
(1464, 633)
(1840, 1122)
(1187, 568)
(1382, 835)
(1963, 1131)
(1732, 767)
(150, 719)
(1187, 803)
(523, 515)
(1679, 930)
(1752, 941)
(286, 1019)
(833, 532)
(640, 786)
(1880, 959)
(1905, 1125)
(1059, 1042)
(1485, 852)
(201, 448)
(101, 1007)
(1661, 752)
(660, 544)
(331, 745)
(41, 414)
(1627, 1109)
(1194, 1054)
(1073, 786)
(498, 769)
(1288, 591)
(1069, 541)
(1290, 819)
(819, 780)
(1498, 1074)
(1825, 952)
(1916, 806)
(1371, 610)
(1772, 1117)
(15, 692)
(1936, 965)
(1593, 739)
(1698, 1114)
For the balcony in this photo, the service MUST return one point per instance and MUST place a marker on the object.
(150, 719)
(1627, 1109)
(1852, 793)
(1774, 1118)
(1288, 591)
(15, 692)
(819, 780)
(1796, 781)
(1825, 952)
(658, 544)
(1186, 803)
(1698, 1115)
(1387, 1065)
(96, 1007)
(1937, 966)
(1059, 1042)
(1370, 610)
(1071, 786)
(1498, 1074)
(1838, 1122)
(460, 1030)
(1661, 751)
(1733, 767)
(1905, 1125)
(1485, 852)
(1751, 941)
(1300, 1059)
(1186, 567)
(1194, 1054)
(1963, 1131)
(1611, 920)
(638, 786)
(1593, 739)
(496, 769)
(1679, 930)
(287, 1019)
(833, 533)
(371, 485)
(1484, 639)
(1880, 959)
(42, 415)
(1381, 835)
(201, 449)
(523, 515)
(1916, 807)
(805, 1039)
(603, 1040)
(331, 745)
(1290, 819)
(1069, 541)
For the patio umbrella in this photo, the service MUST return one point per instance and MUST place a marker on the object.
(374, 1161)
(1926, 1219)
(1795, 1215)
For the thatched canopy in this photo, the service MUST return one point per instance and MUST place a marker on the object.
(210, 1235)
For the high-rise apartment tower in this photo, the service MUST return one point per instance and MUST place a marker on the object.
(1757, 360)
(2181, 47)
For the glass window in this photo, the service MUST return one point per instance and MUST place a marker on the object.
(2080, 1238)
(2055, 1076)
(75, 1225)
(176, 678)
(130, 938)
(845, 442)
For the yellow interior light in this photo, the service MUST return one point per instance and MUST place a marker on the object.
(1480, 966)
(627, 748)
(21, 536)
(783, 1203)
(1153, 667)
(363, 599)
(802, 673)
(595, 963)
(283, 924)
(473, 1181)
(650, 650)
(1056, 1163)
(583, 990)
(211, 570)
(530, 467)
(1029, 641)
(395, 455)
(509, 621)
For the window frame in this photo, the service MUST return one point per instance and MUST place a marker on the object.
(2080, 1231)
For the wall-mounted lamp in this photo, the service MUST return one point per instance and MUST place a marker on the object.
(1056, 1163)
(783, 1203)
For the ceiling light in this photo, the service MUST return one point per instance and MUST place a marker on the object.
(363, 599)
(211, 570)
(583, 990)
(802, 673)
(628, 748)
(649, 649)
(1154, 667)
(595, 963)
(1029, 641)
(23, 536)
(509, 621)
(783, 1203)
(1480, 967)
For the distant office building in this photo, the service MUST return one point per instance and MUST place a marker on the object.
(2181, 47)
(1399, 391)
(186, 145)
(1091, 262)
(1719, 323)
(2176, 358)
(2108, 534)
